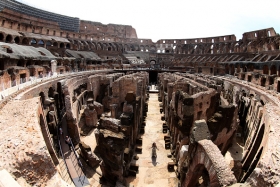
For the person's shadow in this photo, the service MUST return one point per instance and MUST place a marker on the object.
(154, 160)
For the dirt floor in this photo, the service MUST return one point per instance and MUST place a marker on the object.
(153, 171)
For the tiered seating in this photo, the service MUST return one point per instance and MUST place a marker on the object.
(65, 22)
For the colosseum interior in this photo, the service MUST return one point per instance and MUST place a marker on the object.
(210, 104)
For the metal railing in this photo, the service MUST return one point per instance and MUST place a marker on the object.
(60, 148)
(78, 166)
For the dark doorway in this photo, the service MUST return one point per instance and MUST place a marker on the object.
(153, 77)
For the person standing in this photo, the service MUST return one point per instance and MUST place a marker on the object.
(68, 141)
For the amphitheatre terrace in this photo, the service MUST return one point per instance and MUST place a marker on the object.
(211, 105)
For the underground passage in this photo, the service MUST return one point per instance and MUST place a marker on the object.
(89, 104)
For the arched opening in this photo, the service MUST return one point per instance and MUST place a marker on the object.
(16, 40)
(263, 80)
(273, 70)
(61, 45)
(33, 41)
(20, 63)
(1, 36)
(9, 38)
(41, 42)
(48, 43)
(25, 41)
(55, 44)
(153, 77)
(265, 69)
(67, 46)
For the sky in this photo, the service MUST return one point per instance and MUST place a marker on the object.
(173, 19)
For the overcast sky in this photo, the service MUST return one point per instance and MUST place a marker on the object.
(173, 19)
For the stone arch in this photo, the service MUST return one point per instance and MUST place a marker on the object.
(33, 41)
(9, 38)
(48, 43)
(17, 40)
(153, 48)
(55, 44)
(147, 48)
(68, 46)
(214, 164)
(99, 46)
(41, 42)
(126, 48)
(61, 45)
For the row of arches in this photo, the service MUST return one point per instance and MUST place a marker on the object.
(267, 69)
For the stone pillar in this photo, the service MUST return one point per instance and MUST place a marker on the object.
(53, 67)
(114, 110)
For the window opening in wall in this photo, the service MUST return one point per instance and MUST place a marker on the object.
(3, 22)
(256, 35)
(18, 27)
(158, 51)
(98, 28)
(108, 39)
(147, 50)
(61, 33)
(73, 35)
(85, 27)
(268, 33)
(185, 42)
(212, 40)
(54, 33)
(22, 78)
(48, 31)
(103, 39)
(224, 38)
(278, 86)
(249, 78)
(91, 39)
(174, 41)
(199, 115)
(195, 41)
(200, 40)
(163, 41)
